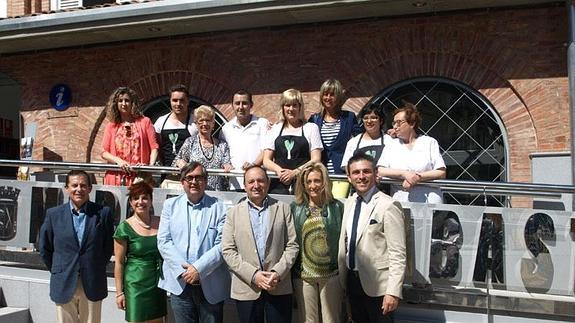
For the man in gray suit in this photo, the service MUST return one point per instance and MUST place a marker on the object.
(259, 245)
(371, 246)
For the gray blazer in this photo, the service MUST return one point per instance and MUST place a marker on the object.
(239, 249)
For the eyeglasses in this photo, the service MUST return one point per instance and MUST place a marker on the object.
(370, 118)
(398, 123)
(197, 178)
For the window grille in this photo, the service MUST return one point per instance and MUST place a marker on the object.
(471, 135)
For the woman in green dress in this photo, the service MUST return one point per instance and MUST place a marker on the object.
(317, 220)
(138, 262)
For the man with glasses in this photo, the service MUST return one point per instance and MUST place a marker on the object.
(194, 272)
(259, 245)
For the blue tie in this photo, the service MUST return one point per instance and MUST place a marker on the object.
(354, 232)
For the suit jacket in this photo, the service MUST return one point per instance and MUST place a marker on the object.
(240, 251)
(65, 257)
(173, 243)
(380, 249)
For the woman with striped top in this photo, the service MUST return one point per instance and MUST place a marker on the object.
(336, 126)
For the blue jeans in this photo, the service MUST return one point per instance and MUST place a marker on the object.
(275, 309)
(192, 307)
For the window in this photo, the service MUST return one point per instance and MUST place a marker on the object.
(3, 8)
(70, 4)
(470, 133)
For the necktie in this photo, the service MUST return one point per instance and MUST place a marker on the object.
(354, 232)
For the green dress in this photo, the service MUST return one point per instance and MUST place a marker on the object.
(142, 270)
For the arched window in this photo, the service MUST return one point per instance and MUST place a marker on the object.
(159, 106)
(471, 135)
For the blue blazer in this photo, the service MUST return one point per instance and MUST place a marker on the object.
(65, 257)
(173, 241)
(348, 128)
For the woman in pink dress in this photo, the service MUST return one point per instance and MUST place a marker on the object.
(129, 137)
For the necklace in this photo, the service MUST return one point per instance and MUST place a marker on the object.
(143, 224)
(202, 148)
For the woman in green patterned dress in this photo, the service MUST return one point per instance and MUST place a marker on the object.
(138, 262)
(317, 219)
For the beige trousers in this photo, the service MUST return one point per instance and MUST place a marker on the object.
(323, 295)
(79, 309)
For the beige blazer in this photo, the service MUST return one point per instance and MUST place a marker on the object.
(240, 252)
(380, 249)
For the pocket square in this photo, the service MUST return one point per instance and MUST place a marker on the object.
(373, 221)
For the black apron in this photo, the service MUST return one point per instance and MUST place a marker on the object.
(290, 152)
(172, 140)
(375, 152)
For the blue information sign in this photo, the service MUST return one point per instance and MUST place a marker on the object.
(60, 97)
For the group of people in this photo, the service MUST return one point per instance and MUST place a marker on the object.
(330, 136)
(262, 253)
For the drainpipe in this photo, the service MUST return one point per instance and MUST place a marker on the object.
(571, 75)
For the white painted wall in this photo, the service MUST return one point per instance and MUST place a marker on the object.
(3, 8)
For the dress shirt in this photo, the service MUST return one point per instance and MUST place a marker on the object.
(79, 220)
(195, 213)
(259, 218)
(245, 143)
(363, 219)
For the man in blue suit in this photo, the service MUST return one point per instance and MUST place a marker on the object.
(76, 244)
(194, 272)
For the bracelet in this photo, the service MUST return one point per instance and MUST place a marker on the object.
(120, 294)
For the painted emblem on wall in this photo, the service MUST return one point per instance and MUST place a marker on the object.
(60, 97)
(8, 212)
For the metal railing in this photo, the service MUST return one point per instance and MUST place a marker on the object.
(451, 186)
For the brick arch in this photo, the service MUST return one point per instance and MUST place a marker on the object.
(157, 84)
(482, 65)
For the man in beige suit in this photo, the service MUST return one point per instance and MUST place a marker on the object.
(259, 245)
(371, 246)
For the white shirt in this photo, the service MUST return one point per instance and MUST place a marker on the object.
(169, 125)
(423, 156)
(352, 146)
(245, 143)
(361, 223)
(310, 132)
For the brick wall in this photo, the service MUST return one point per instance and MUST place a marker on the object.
(515, 58)
(26, 7)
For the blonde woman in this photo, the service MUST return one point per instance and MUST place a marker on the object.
(292, 143)
(317, 220)
(204, 148)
